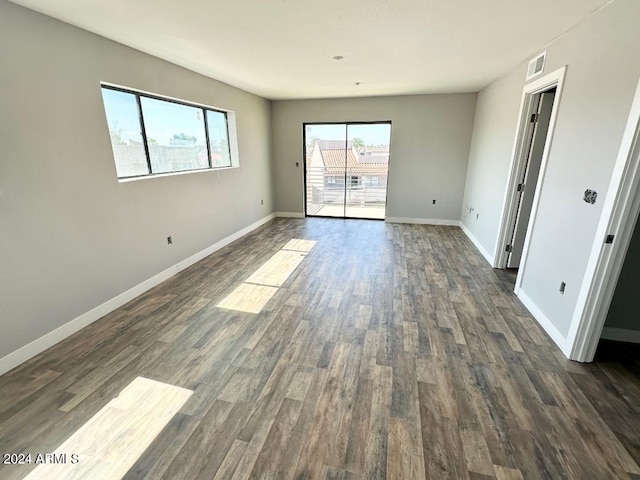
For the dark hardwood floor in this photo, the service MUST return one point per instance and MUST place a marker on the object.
(391, 351)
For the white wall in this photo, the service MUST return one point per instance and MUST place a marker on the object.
(603, 69)
(71, 236)
(430, 138)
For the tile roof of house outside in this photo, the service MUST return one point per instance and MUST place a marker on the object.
(372, 162)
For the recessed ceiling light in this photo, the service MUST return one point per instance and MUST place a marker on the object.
(357, 83)
(338, 57)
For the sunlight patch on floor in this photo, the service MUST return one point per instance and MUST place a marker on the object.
(108, 445)
(252, 295)
(299, 245)
(248, 298)
(276, 271)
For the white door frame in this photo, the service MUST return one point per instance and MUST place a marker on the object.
(619, 214)
(518, 161)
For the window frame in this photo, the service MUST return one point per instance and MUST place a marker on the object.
(138, 94)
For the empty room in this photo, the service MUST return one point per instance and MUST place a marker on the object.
(319, 240)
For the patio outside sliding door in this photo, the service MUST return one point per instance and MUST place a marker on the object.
(346, 169)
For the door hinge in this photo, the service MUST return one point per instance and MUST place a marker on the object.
(521, 187)
(509, 248)
(534, 117)
(609, 239)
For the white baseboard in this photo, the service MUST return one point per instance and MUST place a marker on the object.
(290, 214)
(423, 221)
(477, 244)
(39, 345)
(621, 335)
(559, 339)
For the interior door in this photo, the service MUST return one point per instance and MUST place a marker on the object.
(529, 181)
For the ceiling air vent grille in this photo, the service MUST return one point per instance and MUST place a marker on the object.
(536, 66)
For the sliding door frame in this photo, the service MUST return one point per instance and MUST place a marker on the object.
(304, 165)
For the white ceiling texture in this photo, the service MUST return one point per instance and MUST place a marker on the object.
(284, 49)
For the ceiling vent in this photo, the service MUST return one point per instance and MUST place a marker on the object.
(536, 66)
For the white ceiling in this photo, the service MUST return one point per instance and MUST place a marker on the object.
(283, 48)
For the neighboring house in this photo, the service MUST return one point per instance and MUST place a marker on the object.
(333, 165)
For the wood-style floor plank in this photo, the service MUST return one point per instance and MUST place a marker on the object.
(379, 351)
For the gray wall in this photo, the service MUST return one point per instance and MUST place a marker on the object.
(71, 236)
(489, 158)
(603, 70)
(624, 311)
(430, 138)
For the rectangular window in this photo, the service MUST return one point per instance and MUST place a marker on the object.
(218, 138)
(152, 135)
(332, 181)
(175, 136)
(126, 138)
(369, 181)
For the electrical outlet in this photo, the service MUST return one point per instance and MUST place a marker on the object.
(261, 202)
(477, 216)
(433, 202)
(169, 240)
(562, 287)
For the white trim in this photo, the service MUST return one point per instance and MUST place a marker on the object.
(621, 335)
(232, 132)
(477, 243)
(509, 209)
(548, 326)
(619, 213)
(39, 345)
(290, 214)
(173, 174)
(423, 221)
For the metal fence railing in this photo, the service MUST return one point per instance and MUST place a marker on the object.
(362, 186)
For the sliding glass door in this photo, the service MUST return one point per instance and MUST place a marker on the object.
(346, 169)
